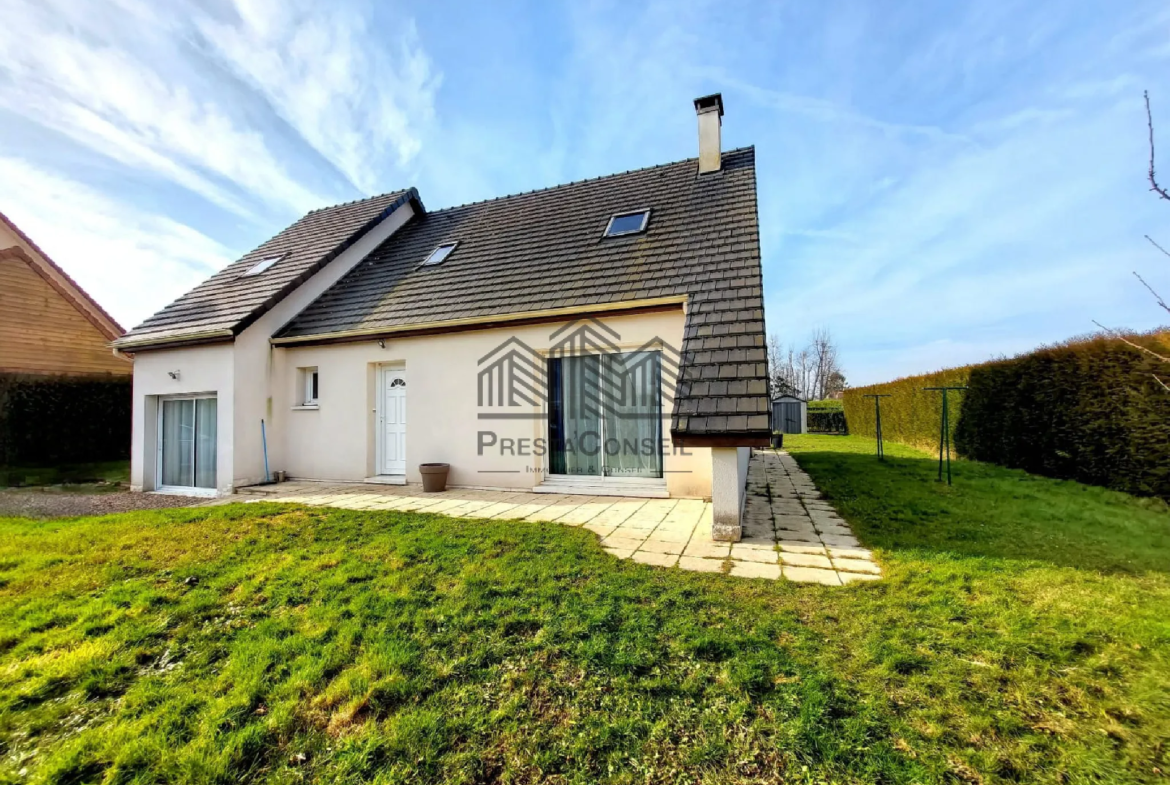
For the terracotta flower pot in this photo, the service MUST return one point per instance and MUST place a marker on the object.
(434, 476)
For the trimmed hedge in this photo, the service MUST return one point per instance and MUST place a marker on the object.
(826, 421)
(911, 415)
(1087, 410)
(52, 419)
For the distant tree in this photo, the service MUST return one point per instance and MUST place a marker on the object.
(836, 385)
(811, 372)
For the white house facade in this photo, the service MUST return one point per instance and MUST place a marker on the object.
(600, 337)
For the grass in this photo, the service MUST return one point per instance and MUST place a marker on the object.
(78, 477)
(1020, 635)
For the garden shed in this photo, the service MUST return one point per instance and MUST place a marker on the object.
(789, 415)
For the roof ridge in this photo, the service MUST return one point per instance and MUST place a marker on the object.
(359, 200)
(581, 181)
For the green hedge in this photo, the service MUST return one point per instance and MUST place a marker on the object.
(1087, 410)
(826, 421)
(911, 415)
(827, 405)
(50, 420)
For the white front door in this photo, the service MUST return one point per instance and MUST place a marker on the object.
(393, 421)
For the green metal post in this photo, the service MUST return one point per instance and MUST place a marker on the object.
(877, 411)
(947, 431)
(944, 437)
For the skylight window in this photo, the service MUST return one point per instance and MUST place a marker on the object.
(627, 223)
(439, 254)
(261, 266)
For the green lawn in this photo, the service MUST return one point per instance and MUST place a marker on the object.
(79, 477)
(1021, 635)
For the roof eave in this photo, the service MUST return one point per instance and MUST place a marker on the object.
(721, 439)
(147, 342)
(483, 322)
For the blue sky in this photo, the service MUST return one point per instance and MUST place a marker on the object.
(939, 182)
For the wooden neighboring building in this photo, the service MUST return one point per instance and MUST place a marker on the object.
(48, 324)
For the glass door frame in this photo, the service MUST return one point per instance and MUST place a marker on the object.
(185, 490)
(548, 410)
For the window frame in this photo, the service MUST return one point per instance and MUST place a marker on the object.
(262, 266)
(645, 213)
(310, 386)
(427, 261)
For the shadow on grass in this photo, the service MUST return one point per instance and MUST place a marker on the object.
(989, 511)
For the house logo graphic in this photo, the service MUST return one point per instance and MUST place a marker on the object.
(623, 382)
(511, 375)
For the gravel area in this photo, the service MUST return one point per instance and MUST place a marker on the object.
(68, 504)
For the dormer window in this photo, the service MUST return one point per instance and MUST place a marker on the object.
(439, 254)
(627, 223)
(261, 266)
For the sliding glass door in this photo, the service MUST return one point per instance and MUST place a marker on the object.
(187, 443)
(605, 415)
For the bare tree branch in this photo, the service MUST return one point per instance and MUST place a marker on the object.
(1160, 248)
(1159, 381)
(1121, 337)
(1150, 123)
(1157, 296)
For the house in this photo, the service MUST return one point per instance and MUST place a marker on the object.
(48, 324)
(600, 337)
(64, 394)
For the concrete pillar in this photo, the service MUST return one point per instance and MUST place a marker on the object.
(726, 494)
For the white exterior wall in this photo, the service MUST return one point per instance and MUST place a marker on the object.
(728, 491)
(259, 367)
(337, 440)
(200, 369)
(240, 374)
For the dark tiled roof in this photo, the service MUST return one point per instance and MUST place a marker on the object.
(226, 303)
(544, 250)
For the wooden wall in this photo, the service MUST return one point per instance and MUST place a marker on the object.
(41, 331)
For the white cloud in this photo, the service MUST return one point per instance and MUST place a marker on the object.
(359, 98)
(89, 83)
(130, 261)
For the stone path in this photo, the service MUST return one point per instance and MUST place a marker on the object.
(789, 531)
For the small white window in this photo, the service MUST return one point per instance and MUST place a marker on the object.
(310, 386)
(627, 223)
(261, 266)
(440, 253)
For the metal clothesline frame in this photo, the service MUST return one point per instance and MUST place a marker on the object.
(877, 411)
(945, 434)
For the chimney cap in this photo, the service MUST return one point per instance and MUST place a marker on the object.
(708, 102)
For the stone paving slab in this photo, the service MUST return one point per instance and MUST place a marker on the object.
(789, 530)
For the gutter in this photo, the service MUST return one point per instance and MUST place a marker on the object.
(172, 341)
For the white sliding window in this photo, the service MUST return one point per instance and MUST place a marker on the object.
(187, 443)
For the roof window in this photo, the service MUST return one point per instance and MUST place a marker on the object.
(627, 223)
(261, 266)
(439, 254)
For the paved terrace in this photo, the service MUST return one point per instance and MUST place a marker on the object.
(789, 530)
